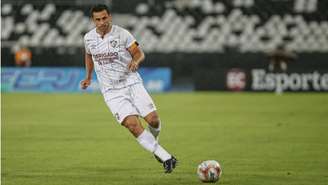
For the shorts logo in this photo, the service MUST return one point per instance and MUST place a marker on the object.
(117, 116)
(151, 106)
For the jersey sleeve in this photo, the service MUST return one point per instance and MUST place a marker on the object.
(129, 38)
(86, 45)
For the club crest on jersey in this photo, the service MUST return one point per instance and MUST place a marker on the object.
(114, 43)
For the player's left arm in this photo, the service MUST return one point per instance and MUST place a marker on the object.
(137, 56)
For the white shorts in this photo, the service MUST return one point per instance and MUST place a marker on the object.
(131, 100)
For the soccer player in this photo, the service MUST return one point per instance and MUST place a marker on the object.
(23, 57)
(115, 56)
(279, 58)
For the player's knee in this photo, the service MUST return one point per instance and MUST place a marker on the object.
(154, 120)
(132, 125)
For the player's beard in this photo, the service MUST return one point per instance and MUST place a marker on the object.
(105, 28)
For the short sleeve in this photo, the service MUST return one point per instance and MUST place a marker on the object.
(86, 45)
(129, 39)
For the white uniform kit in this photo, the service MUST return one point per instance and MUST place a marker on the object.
(122, 89)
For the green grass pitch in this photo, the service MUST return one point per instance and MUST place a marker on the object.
(259, 139)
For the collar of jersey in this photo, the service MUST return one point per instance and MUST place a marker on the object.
(108, 33)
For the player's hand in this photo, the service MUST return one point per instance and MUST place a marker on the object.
(85, 83)
(133, 66)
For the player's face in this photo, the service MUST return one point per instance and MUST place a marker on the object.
(102, 20)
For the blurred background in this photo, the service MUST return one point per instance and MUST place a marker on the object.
(190, 45)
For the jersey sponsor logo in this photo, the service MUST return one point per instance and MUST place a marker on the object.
(104, 62)
(105, 58)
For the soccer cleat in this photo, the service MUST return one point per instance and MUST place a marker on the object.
(170, 164)
(158, 159)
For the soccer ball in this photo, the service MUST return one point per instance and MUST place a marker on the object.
(209, 171)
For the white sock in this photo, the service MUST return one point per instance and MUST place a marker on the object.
(155, 131)
(162, 153)
(148, 141)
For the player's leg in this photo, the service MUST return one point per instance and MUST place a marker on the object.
(126, 113)
(133, 124)
(144, 137)
(147, 110)
(154, 126)
(271, 65)
(148, 141)
(154, 123)
(283, 66)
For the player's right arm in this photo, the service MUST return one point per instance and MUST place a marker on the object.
(88, 69)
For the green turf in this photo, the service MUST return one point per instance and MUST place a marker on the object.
(259, 139)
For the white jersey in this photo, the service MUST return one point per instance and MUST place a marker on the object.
(111, 58)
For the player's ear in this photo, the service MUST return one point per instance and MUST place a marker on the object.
(110, 17)
(92, 19)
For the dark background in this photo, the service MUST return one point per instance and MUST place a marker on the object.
(184, 64)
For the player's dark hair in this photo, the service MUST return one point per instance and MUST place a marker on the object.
(99, 8)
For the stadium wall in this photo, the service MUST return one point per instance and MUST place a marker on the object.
(220, 36)
(59, 79)
(261, 80)
(181, 64)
